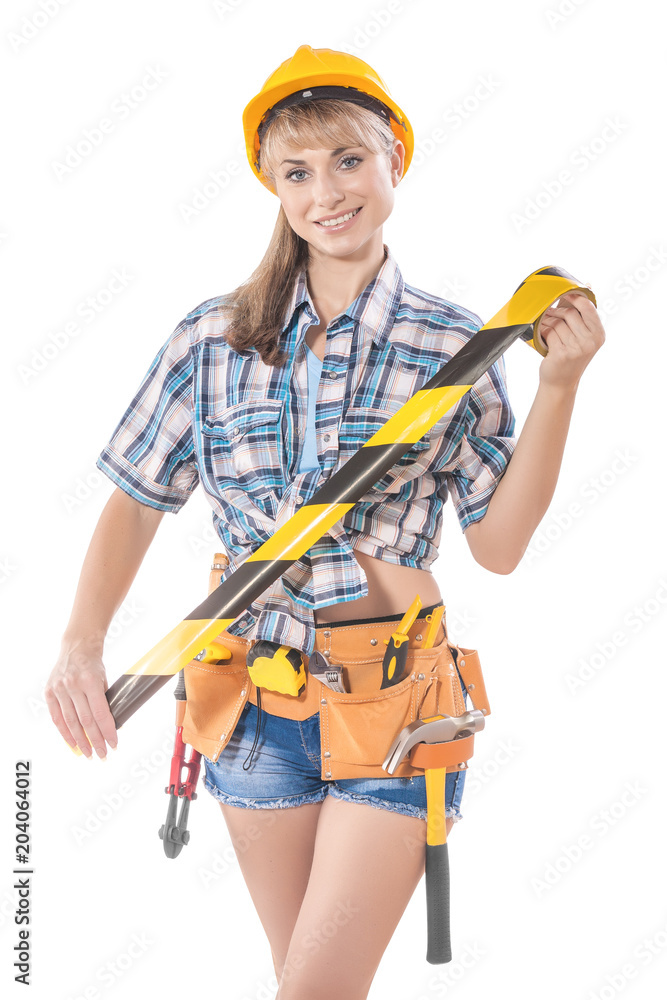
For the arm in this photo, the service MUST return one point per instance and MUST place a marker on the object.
(75, 690)
(573, 333)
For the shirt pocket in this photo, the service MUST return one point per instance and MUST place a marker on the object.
(243, 447)
(360, 425)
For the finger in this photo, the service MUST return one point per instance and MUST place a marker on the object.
(555, 339)
(56, 714)
(571, 324)
(574, 339)
(99, 706)
(586, 309)
(73, 723)
(548, 325)
(89, 723)
(563, 311)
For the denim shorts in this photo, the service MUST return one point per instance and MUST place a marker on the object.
(285, 770)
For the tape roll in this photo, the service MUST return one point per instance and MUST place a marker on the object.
(518, 319)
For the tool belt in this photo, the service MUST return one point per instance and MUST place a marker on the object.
(356, 726)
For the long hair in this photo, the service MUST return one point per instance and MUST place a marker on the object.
(256, 309)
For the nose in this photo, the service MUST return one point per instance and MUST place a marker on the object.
(326, 190)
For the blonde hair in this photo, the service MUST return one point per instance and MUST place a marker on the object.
(256, 309)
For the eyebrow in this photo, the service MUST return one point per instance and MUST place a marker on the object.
(334, 152)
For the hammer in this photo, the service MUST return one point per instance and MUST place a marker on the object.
(434, 744)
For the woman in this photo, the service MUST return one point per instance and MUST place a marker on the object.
(259, 396)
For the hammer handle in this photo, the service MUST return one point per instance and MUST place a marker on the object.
(439, 948)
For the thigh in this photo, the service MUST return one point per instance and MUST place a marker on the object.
(270, 803)
(275, 850)
(366, 865)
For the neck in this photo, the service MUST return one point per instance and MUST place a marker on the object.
(335, 282)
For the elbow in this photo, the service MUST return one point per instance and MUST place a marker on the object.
(502, 567)
(503, 561)
(489, 556)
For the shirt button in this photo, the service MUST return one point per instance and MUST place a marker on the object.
(333, 375)
(327, 437)
(236, 432)
(299, 500)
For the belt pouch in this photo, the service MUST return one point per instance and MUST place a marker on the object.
(357, 728)
(216, 695)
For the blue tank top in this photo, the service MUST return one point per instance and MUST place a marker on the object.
(309, 459)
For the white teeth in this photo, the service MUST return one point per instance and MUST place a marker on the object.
(337, 222)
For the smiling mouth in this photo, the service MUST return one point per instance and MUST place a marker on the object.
(340, 219)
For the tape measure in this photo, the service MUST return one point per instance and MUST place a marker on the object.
(518, 319)
(277, 668)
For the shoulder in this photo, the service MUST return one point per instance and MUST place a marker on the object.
(437, 315)
(202, 333)
(430, 327)
(206, 320)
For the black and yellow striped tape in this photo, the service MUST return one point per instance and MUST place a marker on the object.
(519, 318)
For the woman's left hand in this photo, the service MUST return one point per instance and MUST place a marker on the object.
(573, 333)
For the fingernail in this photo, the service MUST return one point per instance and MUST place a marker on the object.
(75, 750)
(114, 746)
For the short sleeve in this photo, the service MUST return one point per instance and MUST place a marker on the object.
(485, 448)
(151, 453)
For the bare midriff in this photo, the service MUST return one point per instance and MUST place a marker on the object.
(391, 590)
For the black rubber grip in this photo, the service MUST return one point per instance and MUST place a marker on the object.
(179, 693)
(437, 904)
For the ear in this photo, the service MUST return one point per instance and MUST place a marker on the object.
(397, 162)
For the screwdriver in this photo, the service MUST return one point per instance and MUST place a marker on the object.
(395, 657)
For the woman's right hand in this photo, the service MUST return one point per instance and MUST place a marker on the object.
(76, 697)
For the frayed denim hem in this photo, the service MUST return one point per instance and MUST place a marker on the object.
(284, 802)
(399, 807)
(290, 801)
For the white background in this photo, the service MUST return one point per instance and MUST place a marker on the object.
(537, 90)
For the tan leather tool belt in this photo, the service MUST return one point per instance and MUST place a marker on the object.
(358, 726)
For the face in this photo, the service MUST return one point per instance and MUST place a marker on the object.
(316, 186)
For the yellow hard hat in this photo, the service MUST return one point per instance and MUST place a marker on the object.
(321, 73)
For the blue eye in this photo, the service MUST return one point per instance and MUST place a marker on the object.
(290, 175)
(300, 170)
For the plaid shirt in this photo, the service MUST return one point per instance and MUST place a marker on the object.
(207, 414)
